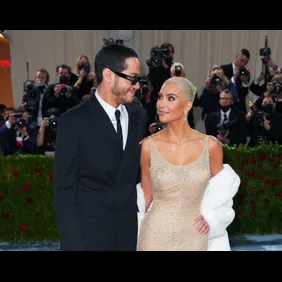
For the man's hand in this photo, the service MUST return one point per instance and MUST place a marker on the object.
(57, 90)
(224, 139)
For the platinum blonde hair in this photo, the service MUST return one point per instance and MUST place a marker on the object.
(189, 90)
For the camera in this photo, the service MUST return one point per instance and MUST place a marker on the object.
(63, 80)
(85, 67)
(157, 54)
(53, 122)
(144, 84)
(20, 122)
(244, 72)
(33, 93)
(225, 126)
(258, 115)
(215, 80)
(277, 87)
(178, 70)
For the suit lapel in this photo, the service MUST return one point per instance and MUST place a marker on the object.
(103, 126)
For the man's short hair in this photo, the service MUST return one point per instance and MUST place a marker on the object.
(112, 56)
(245, 52)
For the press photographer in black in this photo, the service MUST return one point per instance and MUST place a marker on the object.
(34, 99)
(62, 95)
(159, 65)
(264, 124)
(228, 124)
(46, 137)
(82, 78)
(239, 75)
(17, 135)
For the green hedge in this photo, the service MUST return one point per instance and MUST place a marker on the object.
(26, 201)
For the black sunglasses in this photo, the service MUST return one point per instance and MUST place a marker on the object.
(133, 79)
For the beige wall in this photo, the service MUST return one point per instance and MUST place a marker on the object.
(198, 50)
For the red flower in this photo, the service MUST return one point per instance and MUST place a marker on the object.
(26, 186)
(29, 200)
(274, 182)
(261, 177)
(272, 159)
(253, 213)
(16, 173)
(1, 197)
(6, 215)
(239, 212)
(245, 161)
(24, 227)
(37, 171)
(238, 156)
(278, 194)
(241, 167)
(267, 181)
(261, 191)
(52, 174)
(252, 202)
(280, 157)
(253, 189)
(267, 201)
(260, 166)
(262, 157)
(271, 213)
(245, 183)
(251, 173)
(253, 160)
(37, 214)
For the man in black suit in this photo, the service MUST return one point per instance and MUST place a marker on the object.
(238, 74)
(236, 133)
(97, 159)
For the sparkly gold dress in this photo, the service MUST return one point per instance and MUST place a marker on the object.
(177, 195)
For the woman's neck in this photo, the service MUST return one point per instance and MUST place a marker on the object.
(178, 131)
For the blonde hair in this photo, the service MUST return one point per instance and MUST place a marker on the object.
(188, 88)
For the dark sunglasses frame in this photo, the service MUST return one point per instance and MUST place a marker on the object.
(132, 79)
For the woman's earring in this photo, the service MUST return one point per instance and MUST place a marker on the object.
(185, 117)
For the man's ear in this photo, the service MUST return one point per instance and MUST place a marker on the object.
(108, 75)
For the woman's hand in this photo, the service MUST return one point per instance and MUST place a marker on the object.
(202, 226)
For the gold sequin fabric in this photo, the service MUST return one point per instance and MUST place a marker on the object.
(177, 195)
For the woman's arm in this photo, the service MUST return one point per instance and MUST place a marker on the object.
(145, 163)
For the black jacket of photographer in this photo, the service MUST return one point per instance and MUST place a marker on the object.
(255, 125)
(62, 103)
(241, 90)
(237, 131)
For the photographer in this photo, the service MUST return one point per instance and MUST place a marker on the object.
(215, 83)
(17, 136)
(239, 75)
(265, 123)
(46, 137)
(258, 85)
(159, 65)
(228, 124)
(177, 70)
(82, 79)
(62, 95)
(34, 99)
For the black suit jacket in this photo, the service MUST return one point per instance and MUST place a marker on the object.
(241, 90)
(95, 180)
(238, 131)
